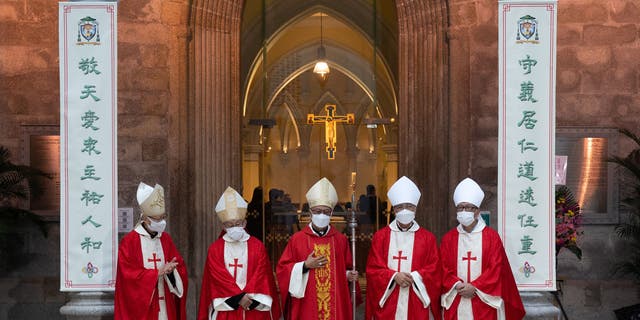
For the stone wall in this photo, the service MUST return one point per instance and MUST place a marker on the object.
(152, 55)
(597, 86)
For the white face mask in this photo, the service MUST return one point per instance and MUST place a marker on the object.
(235, 233)
(466, 218)
(320, 220)
(405, 216)
(157, 226)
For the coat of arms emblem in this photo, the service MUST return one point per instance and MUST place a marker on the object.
(527, 30)
(88, 32)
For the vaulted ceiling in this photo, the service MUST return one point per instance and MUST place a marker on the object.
(284, 35)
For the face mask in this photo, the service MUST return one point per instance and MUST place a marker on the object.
(466, 218)
(320, 220)
(157, 226)
(405, 216)
(235, 233)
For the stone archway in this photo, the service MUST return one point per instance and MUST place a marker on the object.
(214, 151)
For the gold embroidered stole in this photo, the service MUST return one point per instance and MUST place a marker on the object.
(323, 281)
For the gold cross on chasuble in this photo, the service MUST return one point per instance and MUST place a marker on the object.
(330, 121)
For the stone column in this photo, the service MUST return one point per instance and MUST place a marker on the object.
(89, 305)
(214, 116)
(215, 100)
(423, 86)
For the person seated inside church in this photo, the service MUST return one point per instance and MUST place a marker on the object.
(288, 204)
(276, 201)
(280, 211)
(372, 204)
(254, 214)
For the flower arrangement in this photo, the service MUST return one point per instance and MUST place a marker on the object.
(568, 220)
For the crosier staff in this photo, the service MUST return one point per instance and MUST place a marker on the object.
(353, 223)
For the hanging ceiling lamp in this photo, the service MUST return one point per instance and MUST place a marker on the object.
(321, 68)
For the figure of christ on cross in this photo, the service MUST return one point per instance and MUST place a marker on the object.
(330, 121)
(155, 261)
(399, 257)
(235, 267)
(468, 258)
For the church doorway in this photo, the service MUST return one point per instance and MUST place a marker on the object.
(299, 127)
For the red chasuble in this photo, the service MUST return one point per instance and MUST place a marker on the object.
(327, 294)
(136, 295)
(496, 278)
(217, 282)
(425, 261)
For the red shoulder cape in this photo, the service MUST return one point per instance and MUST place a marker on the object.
(300, 245)
(496, 278)
(217, 282)
(425, 261)
(136, 296)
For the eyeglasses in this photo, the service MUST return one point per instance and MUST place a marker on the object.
(230, 224)
(403, 206)
(466, 208)
(326, 212)
(158, 219)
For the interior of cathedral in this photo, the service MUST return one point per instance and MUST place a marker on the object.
(284, 152)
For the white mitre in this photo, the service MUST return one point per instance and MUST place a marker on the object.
(151, 200)
(322, 194)
(231, 206)
(468, 191)
(404, 191)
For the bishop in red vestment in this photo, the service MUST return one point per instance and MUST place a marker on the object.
(151, 280)
(403, 267)
(315, 267)
(237, 282)
(477, 279)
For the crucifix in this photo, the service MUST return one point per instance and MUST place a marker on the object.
(468, 258)
(235, 266)
(330, 121)
(154, 260)
(399, 257)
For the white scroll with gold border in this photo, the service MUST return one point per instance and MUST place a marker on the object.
(88, 145)
(526, 156)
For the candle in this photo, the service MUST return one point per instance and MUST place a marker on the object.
(353, 178)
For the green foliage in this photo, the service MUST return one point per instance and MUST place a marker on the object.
(629, 229)
(18, 182)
